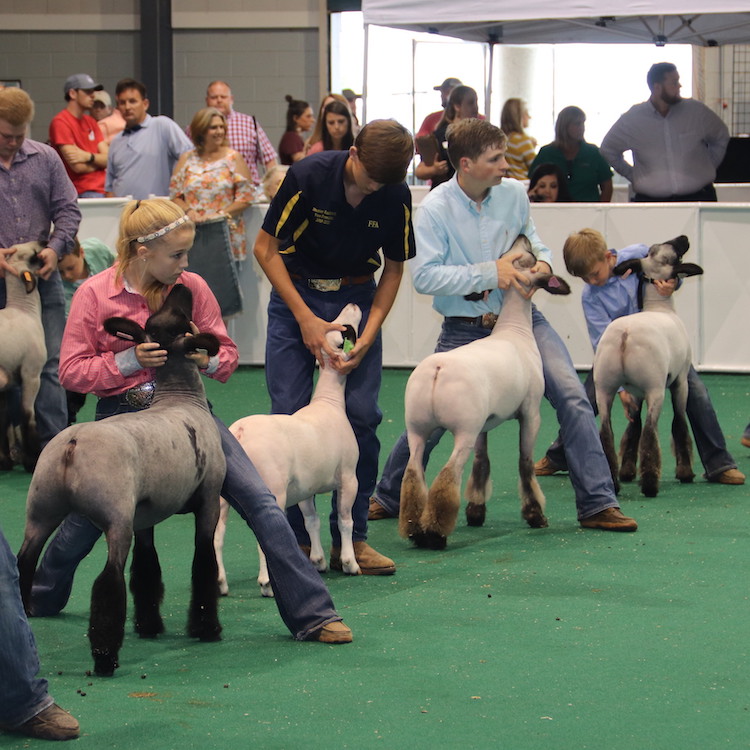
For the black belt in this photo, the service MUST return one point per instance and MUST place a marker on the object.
(332, 285)
(487, 320)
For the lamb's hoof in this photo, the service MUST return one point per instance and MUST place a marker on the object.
(149, 630)
(266, 590)
(206, 632)
(685, 478)
(475, 514)
(429, 540)
(627, 474)
(351, 568)
(537, 521)
(6, 464)
(649, 486)
(320, 564)
(105, 664)
(223, 588)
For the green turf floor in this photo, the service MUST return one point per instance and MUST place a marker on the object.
(511, 638)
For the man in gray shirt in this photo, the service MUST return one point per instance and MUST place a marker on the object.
(677, 143)
(142, 157)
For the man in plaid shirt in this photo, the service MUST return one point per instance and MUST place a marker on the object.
(244, 133)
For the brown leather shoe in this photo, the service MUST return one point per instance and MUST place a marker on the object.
(730, 476)
(332, 632)
(610, 519)
(545, 468)
(376, 511)
(54, 723)
(745, 441)
(371, 563)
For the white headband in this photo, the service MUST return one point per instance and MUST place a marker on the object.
(164, 230)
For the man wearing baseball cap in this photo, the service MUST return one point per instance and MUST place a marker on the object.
(432, 120)
(78, 139)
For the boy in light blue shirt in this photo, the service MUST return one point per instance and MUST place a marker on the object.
(606, 297)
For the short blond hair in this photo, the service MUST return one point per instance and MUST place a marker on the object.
(16, 106)
(582, 250)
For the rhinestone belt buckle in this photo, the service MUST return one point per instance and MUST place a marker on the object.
(489, 320)
(140, 396)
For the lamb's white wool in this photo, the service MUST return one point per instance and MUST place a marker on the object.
(303, 454)
(468, 391)
(129, 472)
(22, 351)
(643, 353)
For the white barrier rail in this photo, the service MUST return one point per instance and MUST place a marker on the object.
(713, 306)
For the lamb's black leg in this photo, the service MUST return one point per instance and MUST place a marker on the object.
(203, 614)
(146, 585)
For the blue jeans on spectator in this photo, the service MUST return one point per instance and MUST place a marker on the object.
(22, 694)
(91, 194)
(589, 470)
(709, 438)
(300, 594)
(51, 406)
(289, 376)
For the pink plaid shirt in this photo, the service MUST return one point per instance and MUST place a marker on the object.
(245, 138)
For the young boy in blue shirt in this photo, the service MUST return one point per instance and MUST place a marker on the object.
(606, 297)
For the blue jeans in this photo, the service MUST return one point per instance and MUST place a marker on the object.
(589, 470)
(300, 594)
(51, 406)
(22, 694)
(709, 438)
(289, 376)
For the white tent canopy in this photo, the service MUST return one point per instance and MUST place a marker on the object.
(545, 21)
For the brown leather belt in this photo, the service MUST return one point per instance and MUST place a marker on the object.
(487, 320)
(332, 285)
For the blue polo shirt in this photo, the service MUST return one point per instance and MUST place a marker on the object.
(322, 236)
(141, 160)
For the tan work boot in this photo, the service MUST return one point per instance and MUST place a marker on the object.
(376, 511)
(610, 519)
(332, 632)
(730, 476)
(546, 468)
(54, 723)
(371, 563)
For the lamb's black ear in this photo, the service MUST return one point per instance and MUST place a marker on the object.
(633, 265)
(682, 270)
(552, 284)
(181, 299)
(206, 341)
(680, 244)
(127, 329)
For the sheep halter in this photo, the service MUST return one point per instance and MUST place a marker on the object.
(164, 230)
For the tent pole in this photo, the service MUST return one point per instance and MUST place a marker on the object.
(488, 82)
(365, 76)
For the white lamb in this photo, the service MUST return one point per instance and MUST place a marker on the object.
(469, 391)
(644, 353)
(300, 455)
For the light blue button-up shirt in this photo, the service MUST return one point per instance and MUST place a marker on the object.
(459, 242)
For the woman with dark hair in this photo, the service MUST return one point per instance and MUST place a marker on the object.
(317, 134)
(588, 175)
(338, 129)
(462, 104)
(299, 119)
(520, 151)
(548, 185)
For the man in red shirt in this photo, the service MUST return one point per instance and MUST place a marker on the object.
(78, 139)
(431, 121)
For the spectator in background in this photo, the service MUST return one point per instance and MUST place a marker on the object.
(272, 180)
(462, 104)
(85, 259)
(677, 143)
(520, 151)
(212, 180)
(244, 132)
(317, 133)
(338, 131)
(109, 118)
(548, 185)
(433, 119)
(142, 157)
(588, 175)
(299, 119)
(351, 100)
(37, 203)
(78, 139)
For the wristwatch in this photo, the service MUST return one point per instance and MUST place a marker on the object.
(91, 159)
